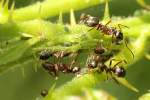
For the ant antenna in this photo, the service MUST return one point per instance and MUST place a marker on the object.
(129, 48)
(119, 25)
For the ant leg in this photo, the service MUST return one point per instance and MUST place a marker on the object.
(122, 61)
(53, 74)
(72, 63)
(59, 56)
(91, 29)
(98, 26)
(110, 63)
(113, 38)
(115, 80)
(119, 26)
(107, 77)
(74, 60)
(129, 48)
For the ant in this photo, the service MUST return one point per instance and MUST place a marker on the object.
(94, 22)
(100, 55)
(117, 35)
(98, 61)
(119, 71)
(54, 69)
(44, 92)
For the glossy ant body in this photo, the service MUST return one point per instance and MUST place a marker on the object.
(98, 61)
(44, 55)
(44, 92)
(91, 21)
(54, 69)
(117, 35)
(119, 71)
(99, 56)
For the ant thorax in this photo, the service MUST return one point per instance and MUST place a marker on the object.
(92, 21)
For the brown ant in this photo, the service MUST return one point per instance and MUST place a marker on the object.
(54, 69)
(94, 22)
(117, 35)
(44, 92)
(98, 61)
(100, 55)
(119, 71)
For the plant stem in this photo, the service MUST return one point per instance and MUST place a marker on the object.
(51, 8)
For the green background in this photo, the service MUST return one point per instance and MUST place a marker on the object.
(15, 86)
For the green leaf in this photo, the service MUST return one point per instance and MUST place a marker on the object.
(15, 53)
(146, 96)
(125, 83)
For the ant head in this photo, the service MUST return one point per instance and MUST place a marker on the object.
(92, 64)
(44, 92)
(44, 55)
(119, 37)
(83, 16)
(76, 69)
(120, 71)
(92, 21)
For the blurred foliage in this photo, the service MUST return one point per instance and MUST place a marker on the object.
(15, 86)
(146, 96)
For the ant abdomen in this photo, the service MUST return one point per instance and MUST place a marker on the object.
(119, 71)
(44, 55)
(44, 92)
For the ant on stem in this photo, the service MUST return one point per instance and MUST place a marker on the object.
(117, 35)
(98, 60)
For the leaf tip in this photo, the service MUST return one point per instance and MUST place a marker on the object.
(60, 19)
(72, 17)
(106, 12)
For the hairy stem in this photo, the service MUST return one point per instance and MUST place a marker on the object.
(51, 8)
